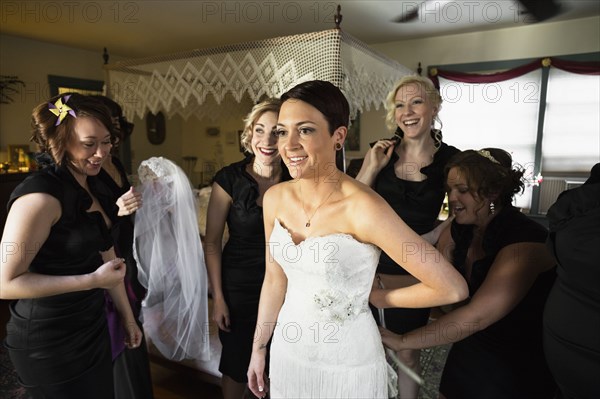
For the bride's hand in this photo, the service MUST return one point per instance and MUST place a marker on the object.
(257, 379)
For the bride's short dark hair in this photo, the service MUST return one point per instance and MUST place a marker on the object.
(324, 96)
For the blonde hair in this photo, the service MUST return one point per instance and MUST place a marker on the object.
(268, 105)
(426, 84)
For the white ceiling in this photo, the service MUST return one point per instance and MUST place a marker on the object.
(135, 29)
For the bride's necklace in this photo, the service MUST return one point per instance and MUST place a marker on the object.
(309, 218)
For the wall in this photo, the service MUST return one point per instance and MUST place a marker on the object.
(531, 41)
(142, 149)
(33, 60)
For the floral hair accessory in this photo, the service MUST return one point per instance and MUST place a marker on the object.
(61, 109)
(488, 155)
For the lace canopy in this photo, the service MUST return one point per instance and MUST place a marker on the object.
(222, 81)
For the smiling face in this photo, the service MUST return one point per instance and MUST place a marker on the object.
(467, 206)
(414, 113)
(305, 144)
(89, 146)
(264, 140)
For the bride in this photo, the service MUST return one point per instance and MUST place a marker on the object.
(326, 231)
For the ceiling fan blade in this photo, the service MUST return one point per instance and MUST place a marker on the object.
(541, 10)
(408, 17)
(410, 14)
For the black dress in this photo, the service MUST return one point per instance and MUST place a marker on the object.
(506, 359)
(242, 266)
(131, 366)
(59, 344)
(418, 204)
(572, 313)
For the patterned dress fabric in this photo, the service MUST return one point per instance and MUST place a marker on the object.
(326, 343)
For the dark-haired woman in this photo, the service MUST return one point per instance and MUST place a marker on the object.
(408, 172)
(60, 259)
(572, 313)
(497, 334)
(131, 367)
(323, 252)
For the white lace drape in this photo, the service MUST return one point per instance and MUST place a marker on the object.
(201, 82)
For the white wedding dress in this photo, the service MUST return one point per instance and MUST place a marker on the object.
(326, 343)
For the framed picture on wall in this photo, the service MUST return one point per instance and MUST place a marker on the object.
(18, 156)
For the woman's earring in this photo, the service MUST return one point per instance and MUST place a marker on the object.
(492, 208)
(338, 146)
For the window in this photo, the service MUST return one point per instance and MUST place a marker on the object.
(502, 115)
(548, 119)
(572, 122)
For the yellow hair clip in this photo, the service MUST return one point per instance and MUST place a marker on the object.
(61, 109)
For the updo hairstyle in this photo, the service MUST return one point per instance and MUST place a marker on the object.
(487, 178)
(53, 139)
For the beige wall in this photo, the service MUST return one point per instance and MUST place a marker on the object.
(32, 61)
(531, 41)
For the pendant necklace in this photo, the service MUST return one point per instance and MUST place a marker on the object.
(308, 219)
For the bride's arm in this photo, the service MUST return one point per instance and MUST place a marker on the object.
(438, 281)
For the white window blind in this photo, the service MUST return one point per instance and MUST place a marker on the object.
(502, 115)
(571, 140)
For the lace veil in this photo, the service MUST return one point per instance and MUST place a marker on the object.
(170, 261)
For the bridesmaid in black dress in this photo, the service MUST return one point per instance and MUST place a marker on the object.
(497, 334)
(236, 273)
(131, 367)
(572, 313)
(408, 172)
(57, 335)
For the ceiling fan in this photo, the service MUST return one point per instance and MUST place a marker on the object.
(539, 10)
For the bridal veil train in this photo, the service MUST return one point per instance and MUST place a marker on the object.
(170, 262)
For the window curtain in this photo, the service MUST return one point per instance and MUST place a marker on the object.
(583, 68)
